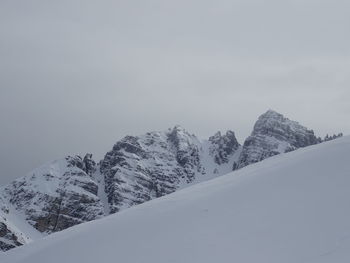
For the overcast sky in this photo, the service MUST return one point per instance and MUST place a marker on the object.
(76, 76)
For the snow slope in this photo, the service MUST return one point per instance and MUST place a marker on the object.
(293, 207)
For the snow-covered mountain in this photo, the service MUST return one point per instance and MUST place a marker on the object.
(290, 208)
(51, 198)
(274, 134)
(75, 190)
(142, 168)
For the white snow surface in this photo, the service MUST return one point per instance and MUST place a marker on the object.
(291, 208)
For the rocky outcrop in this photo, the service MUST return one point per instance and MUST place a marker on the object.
(56, 196)
(274, 134)
(89, 165)
(10, 237)
(141, 168)
(222, 147)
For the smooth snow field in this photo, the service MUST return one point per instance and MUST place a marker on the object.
(293, 207)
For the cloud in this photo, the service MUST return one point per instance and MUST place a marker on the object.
(75, 76)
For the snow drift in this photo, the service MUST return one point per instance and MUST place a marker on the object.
(292, 207)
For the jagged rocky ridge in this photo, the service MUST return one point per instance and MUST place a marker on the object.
(74, 190)
(141, 168)
(274, 134)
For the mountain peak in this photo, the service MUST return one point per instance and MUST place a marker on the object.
(274, 134)
(271, 121)
(178, 129)
(271, 111)
(223, 147)
(271, 114)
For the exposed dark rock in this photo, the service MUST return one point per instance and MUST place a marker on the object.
(8, 239)
(141, 168)
(223, 146)
(89, 164)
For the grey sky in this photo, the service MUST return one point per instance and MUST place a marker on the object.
(76, 76)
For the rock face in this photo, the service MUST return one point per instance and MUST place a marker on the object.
(56, 196)
(139, 169)
(274, 134)
(10, 236)
(8, 239)
(74, 190)
(223, 146)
